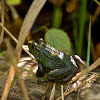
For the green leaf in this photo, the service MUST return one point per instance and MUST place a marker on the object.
(14, 2)
(58, 39)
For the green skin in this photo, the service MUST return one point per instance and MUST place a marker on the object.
(57, 64)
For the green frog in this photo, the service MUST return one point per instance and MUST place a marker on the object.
(59, 66)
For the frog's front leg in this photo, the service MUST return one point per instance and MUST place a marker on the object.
(40, 72)
(61, 75)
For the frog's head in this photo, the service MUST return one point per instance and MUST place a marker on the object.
(35, 47)
(40, 49)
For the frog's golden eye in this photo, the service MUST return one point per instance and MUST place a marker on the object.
(40, 40)
(34, 45)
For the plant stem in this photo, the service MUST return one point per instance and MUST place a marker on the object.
(88, 47)
(82, 25)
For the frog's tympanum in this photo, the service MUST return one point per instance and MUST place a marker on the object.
(59, 66)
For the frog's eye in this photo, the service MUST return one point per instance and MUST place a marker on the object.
(34, 45)
(39, 41)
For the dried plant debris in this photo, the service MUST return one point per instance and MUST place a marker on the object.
(37, 90)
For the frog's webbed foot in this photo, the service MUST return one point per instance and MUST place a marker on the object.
(40, 72)
(60, 75)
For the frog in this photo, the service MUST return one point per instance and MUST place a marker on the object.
(59, 66)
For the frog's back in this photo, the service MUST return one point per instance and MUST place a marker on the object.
(49, 57)
(51, 62)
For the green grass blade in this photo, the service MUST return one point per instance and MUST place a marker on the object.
(14, 81)
(82, 25)
(97, 2)
(88, 48)
(88, 54)
(57, 17)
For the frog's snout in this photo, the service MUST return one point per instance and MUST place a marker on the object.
(32, 44)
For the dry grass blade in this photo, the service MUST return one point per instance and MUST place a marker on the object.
(9, 33)
(67, 87)
(96, 14)
(2, 20)
(62, 94)
(53, 92)
(46, 91)
(80, 85)
(90, 68)
(14, 62)
(16, 41)
(71, 90)
(28, 22)
(49, 86)
(9, 81)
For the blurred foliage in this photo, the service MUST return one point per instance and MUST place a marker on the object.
(57, 17)
(78, 31)
(75, 29)
(14, 2)
(71, 16)
(82, 26)
(2, 53)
